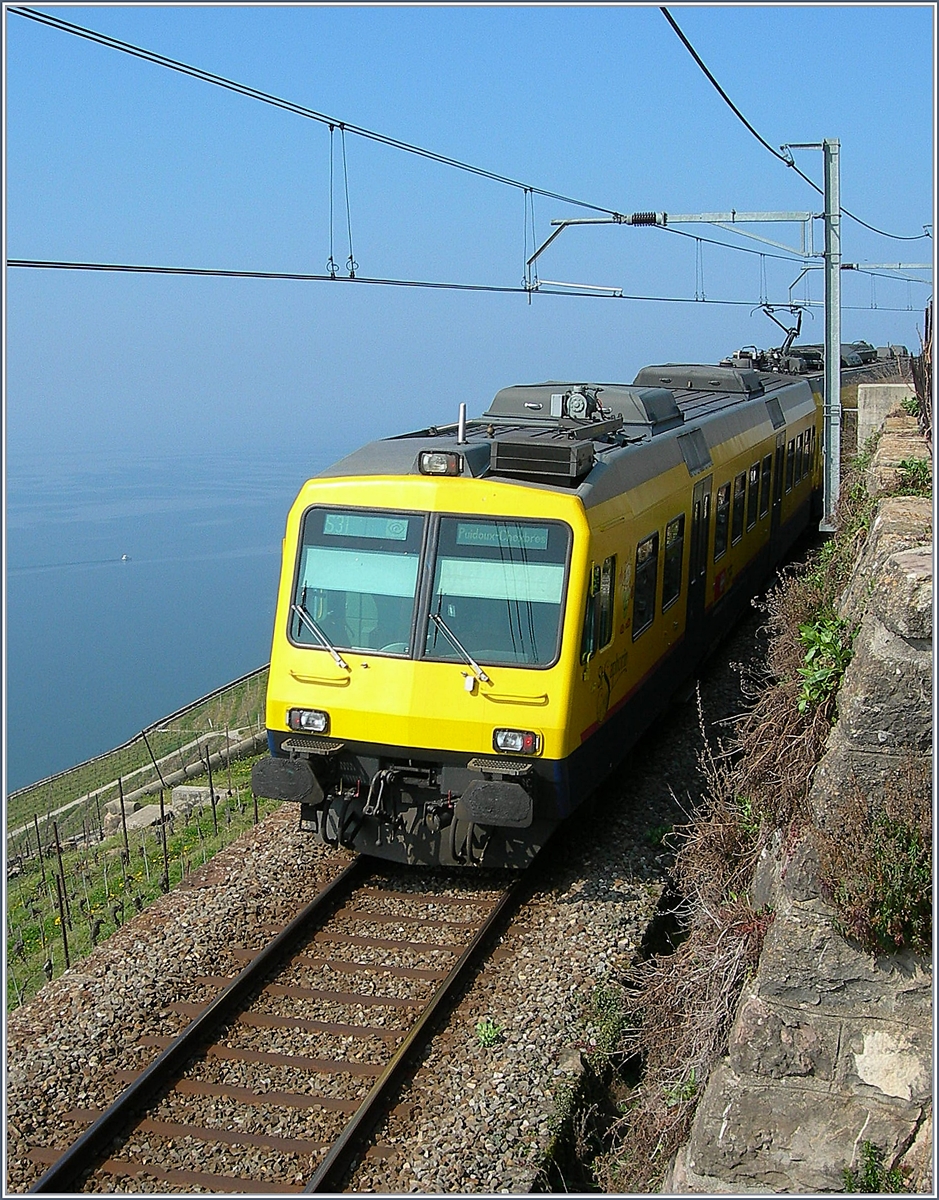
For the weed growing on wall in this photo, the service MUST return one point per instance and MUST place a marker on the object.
(877, 865)
(874, 1175)
(827, 643)
(915, 477)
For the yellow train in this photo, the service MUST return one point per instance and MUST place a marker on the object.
(475, 622)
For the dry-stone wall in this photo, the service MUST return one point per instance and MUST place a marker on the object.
(831, 1046)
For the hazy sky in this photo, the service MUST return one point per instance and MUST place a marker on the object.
(114, 159)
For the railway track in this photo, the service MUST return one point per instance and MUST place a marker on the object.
(279, 1079)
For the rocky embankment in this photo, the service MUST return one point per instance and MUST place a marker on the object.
(831, 1048)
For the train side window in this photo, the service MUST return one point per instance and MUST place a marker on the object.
(808, 458)
(674, 549)
(765, 481)
(753, 496)
(598, 619)
(647, 567)
(790, 463)
(799, 472)
(740, 495)
(721, 520)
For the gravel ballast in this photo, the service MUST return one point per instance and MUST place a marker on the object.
(475, 1119)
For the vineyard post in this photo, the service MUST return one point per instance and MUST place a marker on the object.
(165, 881)
(16, 987)
(60, 888)
(208, 770)
(120, 792)
(42, 861)
(58, 851)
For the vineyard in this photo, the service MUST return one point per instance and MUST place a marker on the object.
(88, 848)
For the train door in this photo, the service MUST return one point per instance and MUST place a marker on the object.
(698, 557)
(778, 467)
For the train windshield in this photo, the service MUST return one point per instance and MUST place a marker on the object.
(357, 579)
(499, 587)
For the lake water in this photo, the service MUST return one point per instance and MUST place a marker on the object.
(99, 645)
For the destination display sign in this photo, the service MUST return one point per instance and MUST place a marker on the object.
(502, 536)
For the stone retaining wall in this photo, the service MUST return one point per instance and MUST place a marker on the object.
(875, 401)
(832, 1046)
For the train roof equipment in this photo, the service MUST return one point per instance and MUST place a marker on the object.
(583, 436)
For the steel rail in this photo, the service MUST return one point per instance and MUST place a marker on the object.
(96, 1142)
(344, 1153)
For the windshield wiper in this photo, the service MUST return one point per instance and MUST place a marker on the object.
(467, 657)
(312, 625)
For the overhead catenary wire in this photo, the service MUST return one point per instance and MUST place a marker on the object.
(303, 277)
(395, 143)
(858, 268)
(787, 160)
(298, 109)
(528, 190)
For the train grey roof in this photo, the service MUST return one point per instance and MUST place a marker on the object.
(598, 439)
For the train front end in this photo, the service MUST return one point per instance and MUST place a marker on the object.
(419, 685)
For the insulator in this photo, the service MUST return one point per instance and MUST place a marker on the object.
(643, 218)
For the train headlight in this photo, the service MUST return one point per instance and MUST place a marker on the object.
(439, 462)
(308, 720)
(516, 741)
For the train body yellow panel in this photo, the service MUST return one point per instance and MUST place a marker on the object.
(476, 622)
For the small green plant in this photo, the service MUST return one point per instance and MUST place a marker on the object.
(827, 653)
(681, 1092)
(657, 834)
(488, 1033)
(874, 1175)
(607, 1019)
(749, 818)
(915, 477)
(564, 1099)
(910, 405)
